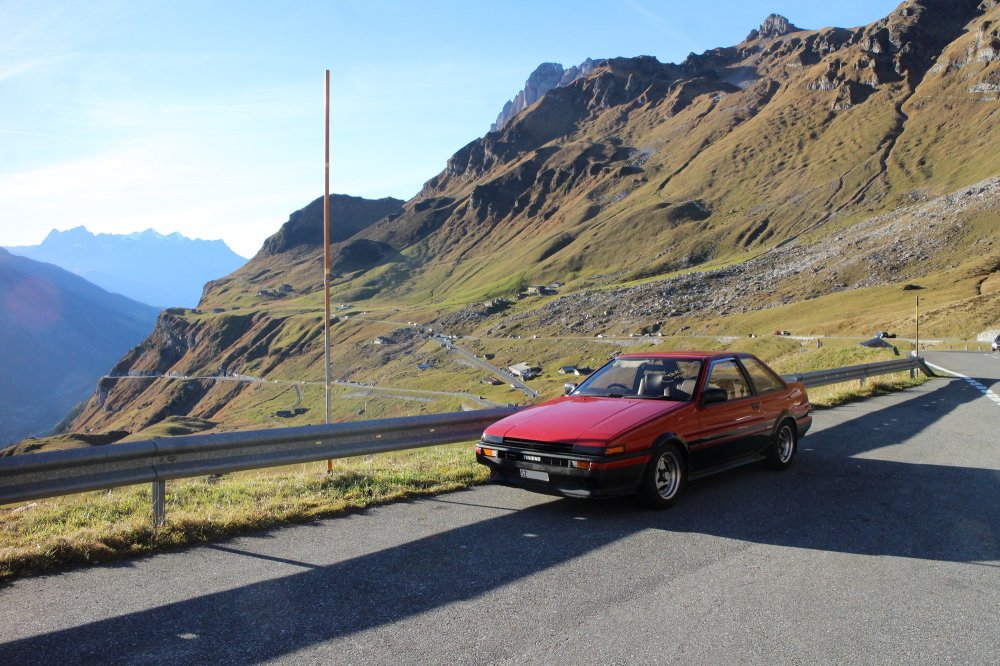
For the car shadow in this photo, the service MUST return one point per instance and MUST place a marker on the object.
(832, 499)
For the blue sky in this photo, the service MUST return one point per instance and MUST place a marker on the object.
(206, 117)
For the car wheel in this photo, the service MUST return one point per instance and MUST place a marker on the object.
(664, 478)
(783, 446)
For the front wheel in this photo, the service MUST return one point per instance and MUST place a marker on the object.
(783, 446)
(663, 480)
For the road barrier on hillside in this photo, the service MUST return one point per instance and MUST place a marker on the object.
(50, 474)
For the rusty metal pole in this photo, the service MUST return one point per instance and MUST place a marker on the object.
(326, 256)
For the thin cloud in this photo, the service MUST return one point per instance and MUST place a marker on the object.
(38, 134)
(654, 19)
(149, 184)
(10, 71)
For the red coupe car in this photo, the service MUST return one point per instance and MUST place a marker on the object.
(645, 424)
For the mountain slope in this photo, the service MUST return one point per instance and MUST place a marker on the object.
(731, 151)
(147, 267)
(808, 175)
(294, 255)
(58, 335)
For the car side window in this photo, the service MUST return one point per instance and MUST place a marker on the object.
(763, 378)
(728, 376)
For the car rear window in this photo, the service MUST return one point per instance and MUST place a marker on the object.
(727, 375)
(763, 378)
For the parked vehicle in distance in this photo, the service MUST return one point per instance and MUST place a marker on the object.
(646, 424)
(995, 345)
(885, 334)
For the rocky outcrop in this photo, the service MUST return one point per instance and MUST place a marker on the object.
(547, 76)
(348, 216)
(773, 26)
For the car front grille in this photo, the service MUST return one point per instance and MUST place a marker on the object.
(548, 447)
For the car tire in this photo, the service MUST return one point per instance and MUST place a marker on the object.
(664, 478)
(783, 446)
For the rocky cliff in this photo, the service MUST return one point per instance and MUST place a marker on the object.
(547, 76)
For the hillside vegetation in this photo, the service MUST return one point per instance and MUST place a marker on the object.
(816, 181)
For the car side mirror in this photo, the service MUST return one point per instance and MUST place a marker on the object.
(568, 388)
(714, 395)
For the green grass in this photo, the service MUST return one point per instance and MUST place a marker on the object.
(110, 525)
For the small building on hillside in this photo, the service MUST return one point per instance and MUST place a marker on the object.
(496, 304)
(523, 370)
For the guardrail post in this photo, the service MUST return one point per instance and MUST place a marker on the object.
(159, 503)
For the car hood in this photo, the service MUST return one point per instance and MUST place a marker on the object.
(581, 419)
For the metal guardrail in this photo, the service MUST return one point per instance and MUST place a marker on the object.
(53, 473)
(860, 373)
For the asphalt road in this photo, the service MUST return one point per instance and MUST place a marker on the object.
(881, 545)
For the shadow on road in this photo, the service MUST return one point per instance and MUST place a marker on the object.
(829, 501)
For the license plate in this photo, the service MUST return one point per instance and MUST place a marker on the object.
(535, 476)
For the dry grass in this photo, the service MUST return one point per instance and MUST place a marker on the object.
(109, 525)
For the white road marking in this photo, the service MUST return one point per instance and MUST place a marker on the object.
(972, 382)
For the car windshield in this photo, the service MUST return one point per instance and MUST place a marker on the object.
(655, 378)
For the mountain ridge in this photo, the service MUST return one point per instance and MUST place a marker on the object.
(546, 76)
(158, 269)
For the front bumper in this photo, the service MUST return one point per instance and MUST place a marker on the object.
(608, 476)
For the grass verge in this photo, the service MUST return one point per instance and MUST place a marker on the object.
(92, 528)
(827, 397)
(105, 526)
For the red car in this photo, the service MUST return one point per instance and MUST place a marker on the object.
(645, 424)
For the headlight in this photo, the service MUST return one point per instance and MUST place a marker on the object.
(492, 439)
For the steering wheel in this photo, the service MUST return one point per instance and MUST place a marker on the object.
(621, 386)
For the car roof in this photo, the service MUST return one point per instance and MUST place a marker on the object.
(700, 355)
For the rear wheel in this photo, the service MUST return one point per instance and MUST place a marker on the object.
(664, 478)
(783, 446)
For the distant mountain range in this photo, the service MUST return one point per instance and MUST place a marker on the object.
(58, 335)
(148, 267)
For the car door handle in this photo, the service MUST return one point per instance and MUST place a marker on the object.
(755, 406)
